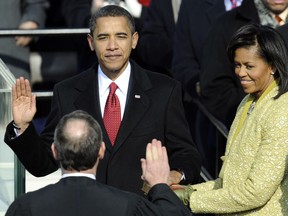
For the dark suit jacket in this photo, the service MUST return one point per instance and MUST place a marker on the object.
(194, 22)
(220, 89)
(84, 196)
(284, 32)
(155, 46)
(76, 13)
(158, 113)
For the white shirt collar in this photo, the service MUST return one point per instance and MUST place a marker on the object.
(77, 174)
(283, 16)
(122, 81)
(228, 4)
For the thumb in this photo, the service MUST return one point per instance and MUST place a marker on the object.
(33, 102)
(143, 166)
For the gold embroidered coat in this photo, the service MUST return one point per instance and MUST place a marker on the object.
(254, 173)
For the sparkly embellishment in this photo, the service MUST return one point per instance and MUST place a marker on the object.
(251, 108)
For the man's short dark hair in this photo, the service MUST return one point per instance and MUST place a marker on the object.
(78, 151)
(111, 11)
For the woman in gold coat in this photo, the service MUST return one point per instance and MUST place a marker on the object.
(254, 176)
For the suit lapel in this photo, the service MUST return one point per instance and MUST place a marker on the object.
(88, 100)
(248, 11)
(137, 104)
(88, 97)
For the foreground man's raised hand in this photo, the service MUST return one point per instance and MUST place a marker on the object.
(155, 168)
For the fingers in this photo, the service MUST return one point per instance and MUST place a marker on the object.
(21, 88)
(155, 169)
(143, 166)
(28, 88)
(154, 151)
(18, 88)
(33, 101)
(164, 154)
(14, 92)
(23, 41)
(148, 152)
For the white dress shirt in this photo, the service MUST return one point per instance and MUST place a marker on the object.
(228, 4)
(283, 16)
(122, 82)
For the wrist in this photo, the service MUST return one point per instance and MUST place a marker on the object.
(181, 173)
(20, 128)
(176, 176)
(15, 126)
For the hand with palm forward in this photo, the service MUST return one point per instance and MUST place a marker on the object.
(23, 104)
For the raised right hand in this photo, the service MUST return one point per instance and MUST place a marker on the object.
(23, 104)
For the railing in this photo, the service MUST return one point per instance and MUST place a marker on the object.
(221, 133)
(43, 32)
(217, 123)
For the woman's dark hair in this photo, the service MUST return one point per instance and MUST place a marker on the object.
(270, 47)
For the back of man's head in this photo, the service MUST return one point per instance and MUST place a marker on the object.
(77, 140)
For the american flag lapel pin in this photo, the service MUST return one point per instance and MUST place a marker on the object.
(137, 96)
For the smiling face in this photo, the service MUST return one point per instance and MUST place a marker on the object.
(276, 6)
(254, 73)
(112, 41)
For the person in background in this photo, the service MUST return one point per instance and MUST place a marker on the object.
(82, 10)
(141, 104)
(79, 147)
(20, 14)
(220, 89)
(155, 48)
(283, 30)
(253, 179)
(135, 7)
(194, 23)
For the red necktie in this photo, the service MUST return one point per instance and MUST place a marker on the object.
(112, 113)
(144, 2)
(234, 3)
(278, 19)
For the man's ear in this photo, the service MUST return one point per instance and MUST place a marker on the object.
(101, 151)
(90, 42)
(54, 151)
(135, 38)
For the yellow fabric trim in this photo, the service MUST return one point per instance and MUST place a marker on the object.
(248, 104)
